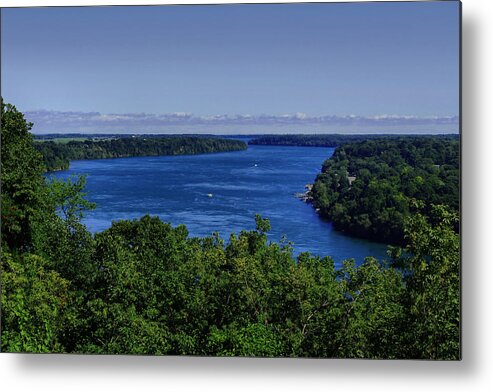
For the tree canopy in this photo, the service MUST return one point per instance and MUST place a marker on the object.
(146, 287)
(367, 188)
(334, 140)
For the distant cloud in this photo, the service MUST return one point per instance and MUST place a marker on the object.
(46, 121)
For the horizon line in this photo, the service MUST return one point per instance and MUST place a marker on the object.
(51, 121)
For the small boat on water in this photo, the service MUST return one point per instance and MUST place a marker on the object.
(210, 195)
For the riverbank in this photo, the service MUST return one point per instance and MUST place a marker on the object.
(57, 156)
(305, 196)
(176, 189)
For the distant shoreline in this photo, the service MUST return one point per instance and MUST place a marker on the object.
(57, 156)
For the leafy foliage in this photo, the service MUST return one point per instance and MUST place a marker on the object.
(432, 281)
(366, 189)
(20, 175)
(145, 287)
(35, 300)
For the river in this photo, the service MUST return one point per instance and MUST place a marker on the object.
(220, 192)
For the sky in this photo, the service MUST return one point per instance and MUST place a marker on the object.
(281, 68)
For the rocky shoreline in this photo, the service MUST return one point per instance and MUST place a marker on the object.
(305, 196)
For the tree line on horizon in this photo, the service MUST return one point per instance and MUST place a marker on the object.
(335, 139)
(57, 156)
(145, 287)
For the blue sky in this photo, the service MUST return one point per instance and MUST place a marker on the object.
(219, 67)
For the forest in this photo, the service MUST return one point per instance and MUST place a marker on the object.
(368, 189)
(57, 156)
(145, 287)
(333, 140)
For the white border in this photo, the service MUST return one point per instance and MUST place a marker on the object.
(473, 373)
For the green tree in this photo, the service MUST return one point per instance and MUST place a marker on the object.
(145, 287)
(432, 272)
(366, 188)
(253, 340)
(35, 301)
(59, 235)
(372, 311)
(21, 177)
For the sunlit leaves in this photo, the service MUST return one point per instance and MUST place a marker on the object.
(34, 305)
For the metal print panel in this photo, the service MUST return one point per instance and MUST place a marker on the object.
(269, 180)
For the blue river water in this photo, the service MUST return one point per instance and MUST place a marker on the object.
(220, 192)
